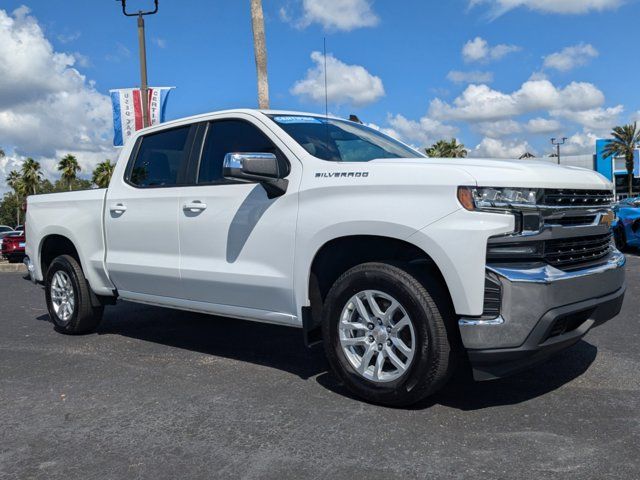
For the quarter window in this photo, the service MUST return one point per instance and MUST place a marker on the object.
(160, 158)
(231, 136)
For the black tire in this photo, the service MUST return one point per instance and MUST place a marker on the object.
(15, 259)
(620, 238)
(85, 318)
(434, 354)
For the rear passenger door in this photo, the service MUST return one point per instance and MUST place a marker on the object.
(237, 245)
(141, 217)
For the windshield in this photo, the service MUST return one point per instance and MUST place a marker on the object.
(341, 141)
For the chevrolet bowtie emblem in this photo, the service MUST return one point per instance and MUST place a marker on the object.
(607, 219)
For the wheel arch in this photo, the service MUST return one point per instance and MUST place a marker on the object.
(54, 245)
(340, 254)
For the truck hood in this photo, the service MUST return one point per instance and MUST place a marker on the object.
(515, 173)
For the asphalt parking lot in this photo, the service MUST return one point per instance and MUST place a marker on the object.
(163, 394)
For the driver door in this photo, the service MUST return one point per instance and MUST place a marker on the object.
(236, 244)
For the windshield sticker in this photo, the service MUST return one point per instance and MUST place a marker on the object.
(296, 120)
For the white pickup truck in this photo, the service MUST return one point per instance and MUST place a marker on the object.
(404, 266)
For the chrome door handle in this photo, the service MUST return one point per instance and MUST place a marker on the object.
(118, 208)
(194, 206)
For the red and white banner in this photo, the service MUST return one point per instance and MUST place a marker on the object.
(127, 110)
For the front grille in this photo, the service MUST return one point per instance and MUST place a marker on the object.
(572, 221)
(574, 252)
(565, 253)
(576, 198)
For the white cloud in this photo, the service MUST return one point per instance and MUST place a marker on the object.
(475, 76)
(543, 125)
(498, 129)
(499, 7)
(346, 84)
(68, 37)
(481, 103)
(342, 15)
(47, 108)
(479, 50)
(160, 42)
(494, 148)
(571, 57)
(120, 53)
(581, 143)
(599, 119)
(422, 133)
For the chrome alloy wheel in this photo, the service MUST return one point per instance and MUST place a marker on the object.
(377, 336)
(62, 295)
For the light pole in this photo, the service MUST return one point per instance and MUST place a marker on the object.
(557, 143)
(144, 88)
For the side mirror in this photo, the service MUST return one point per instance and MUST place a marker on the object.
(262, 168)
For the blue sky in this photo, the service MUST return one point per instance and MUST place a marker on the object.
(503, 76)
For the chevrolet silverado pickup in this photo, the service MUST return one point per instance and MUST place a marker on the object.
(403, 266)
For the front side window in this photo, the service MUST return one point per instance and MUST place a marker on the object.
(160, 158)
(341, 141)
(230, 136)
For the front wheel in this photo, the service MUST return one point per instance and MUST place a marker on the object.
(69, 299)
(385, 334)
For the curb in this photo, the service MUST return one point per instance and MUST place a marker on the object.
(13, 268)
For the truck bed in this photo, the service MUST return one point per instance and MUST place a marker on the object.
(77, 216)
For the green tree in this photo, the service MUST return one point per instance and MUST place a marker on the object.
(447, 149)
(102, 174)
(624, 143)
(15, 182)
(69, 168)
(31, 176)
(9, 205)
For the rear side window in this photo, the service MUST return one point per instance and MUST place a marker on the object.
(160, 158)
(231, 136)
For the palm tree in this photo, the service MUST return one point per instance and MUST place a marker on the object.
(447, 149)
(260, 50)
(14, 181)
(31, 175)
(624, 143)
(102, 174)
(69, 168)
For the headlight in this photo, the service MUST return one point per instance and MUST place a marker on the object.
(503, 198)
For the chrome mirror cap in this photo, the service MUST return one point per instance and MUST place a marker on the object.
(263, 168)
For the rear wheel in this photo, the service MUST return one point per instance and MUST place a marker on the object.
(69, 299)
(385, 335)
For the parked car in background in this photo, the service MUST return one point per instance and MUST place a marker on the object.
(13, 246)
(626, 227)
(19, 228)
(5, 229)
(4, 234)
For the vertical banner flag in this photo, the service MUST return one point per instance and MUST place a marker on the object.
(127, 110)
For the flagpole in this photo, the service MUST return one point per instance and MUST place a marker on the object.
(144, 88)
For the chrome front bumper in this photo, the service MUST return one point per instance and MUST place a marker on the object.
(533, 302)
